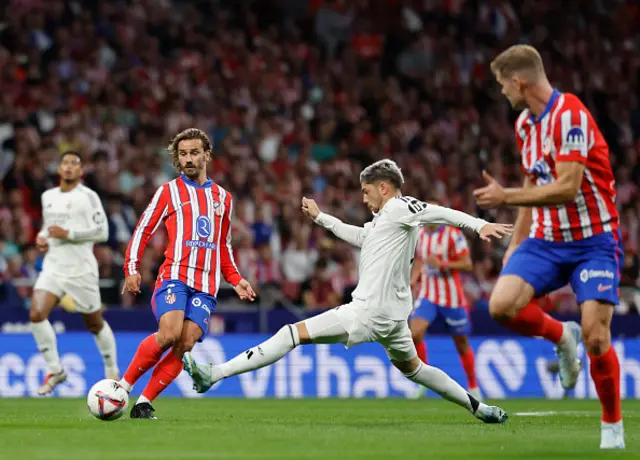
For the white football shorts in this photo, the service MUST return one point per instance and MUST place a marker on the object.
(349, 324)
(84, 290)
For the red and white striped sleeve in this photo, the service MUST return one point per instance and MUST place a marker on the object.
(149, 222)
(228, 265)
(458, 246)
(573, 132)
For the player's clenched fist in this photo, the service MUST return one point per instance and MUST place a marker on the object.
(310, 208)
(495, 230)
(42, 244)
(132, 284)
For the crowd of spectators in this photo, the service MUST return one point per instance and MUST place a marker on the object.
(296, 96)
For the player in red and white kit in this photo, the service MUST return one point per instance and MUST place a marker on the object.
(441, 254)
(197, 215)
(573, 234)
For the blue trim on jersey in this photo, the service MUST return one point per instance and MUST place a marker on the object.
(207, 183)
(554, 97)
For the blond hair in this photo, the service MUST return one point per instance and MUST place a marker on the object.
(523, 60)
(186, 135)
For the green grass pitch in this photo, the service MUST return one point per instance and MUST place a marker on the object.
(62, 429)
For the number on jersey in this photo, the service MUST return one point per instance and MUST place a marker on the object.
(413, 204)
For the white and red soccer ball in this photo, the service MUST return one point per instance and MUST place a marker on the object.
(107, 400)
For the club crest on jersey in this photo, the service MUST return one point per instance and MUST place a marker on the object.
(547, 145)
(170, 298)
(203, 226)
(574, 140)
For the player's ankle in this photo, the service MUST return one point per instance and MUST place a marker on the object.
(126, 385)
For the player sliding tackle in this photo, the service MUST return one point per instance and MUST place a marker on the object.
(382, 300)
(573, 236)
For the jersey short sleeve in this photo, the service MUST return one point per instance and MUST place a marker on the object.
(458, 246)
(571, 134)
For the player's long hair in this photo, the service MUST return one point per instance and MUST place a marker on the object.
(187, 135)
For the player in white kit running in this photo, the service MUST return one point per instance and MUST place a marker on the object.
(382, 301)
(72, 221)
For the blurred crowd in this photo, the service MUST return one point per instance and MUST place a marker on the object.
(297, 96)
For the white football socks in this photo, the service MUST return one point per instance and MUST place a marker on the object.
(46, 341)
(106, 342)
(438, 381)
(268, 352)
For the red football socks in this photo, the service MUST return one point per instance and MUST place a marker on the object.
(468, 361)
(421, 348)
(605, 372)
(533, 322)
(148, 354)
(163, 374)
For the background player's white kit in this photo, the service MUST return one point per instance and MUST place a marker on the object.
(73, 220)
(70, 266)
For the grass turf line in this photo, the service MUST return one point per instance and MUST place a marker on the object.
(62, 429)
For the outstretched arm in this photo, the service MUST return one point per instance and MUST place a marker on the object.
(350, 233)
(151, 218)
(421, 213)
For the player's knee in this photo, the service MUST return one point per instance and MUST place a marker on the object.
(501, 309)
(36, 315)
(596, 340)
(168, 337)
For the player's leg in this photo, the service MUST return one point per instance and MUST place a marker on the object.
(196, 323)
(326, 327)
(595, 283)
(45, 297)
(402, 353)
(419, 322)
(105, 341)
(85, 293)
(168, 302)
(468, 361)
(459, 325)
(535, 269)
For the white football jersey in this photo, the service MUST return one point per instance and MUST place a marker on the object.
(79, 211)
(388, 245)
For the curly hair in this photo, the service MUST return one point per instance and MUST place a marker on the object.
(186, 135)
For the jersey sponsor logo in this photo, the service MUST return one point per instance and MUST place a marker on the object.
(200, 244)
(203, 226)
(586, 275)
(170, 298)
(575, 139)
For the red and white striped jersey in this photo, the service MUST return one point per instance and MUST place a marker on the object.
(441, 286)
(566, 131)
(197, 218)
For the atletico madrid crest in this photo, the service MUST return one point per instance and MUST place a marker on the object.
(170, 298)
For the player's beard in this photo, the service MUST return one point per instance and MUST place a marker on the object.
(192, 171)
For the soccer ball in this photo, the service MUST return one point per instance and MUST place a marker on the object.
(107, 400)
